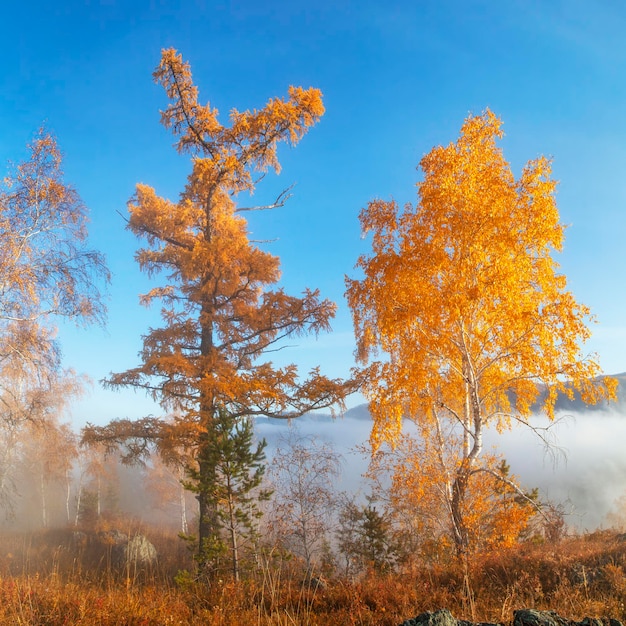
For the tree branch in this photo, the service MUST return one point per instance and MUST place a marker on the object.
(520, 492)
(280, 201)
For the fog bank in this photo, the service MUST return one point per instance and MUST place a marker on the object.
(584, 469)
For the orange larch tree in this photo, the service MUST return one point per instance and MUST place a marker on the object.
(462, 299)
(221, 310)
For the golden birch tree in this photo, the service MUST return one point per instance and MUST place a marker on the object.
(461, 315)
(47, 272)
(222, 312)
(46, 269)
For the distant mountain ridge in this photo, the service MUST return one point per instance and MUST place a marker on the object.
(576, 405)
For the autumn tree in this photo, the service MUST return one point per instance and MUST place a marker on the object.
(461, 315)
(46, 269)
(303, 473)
(411, 480)
(47, 273)
(222, 312)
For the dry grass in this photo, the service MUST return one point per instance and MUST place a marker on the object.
(42, 581)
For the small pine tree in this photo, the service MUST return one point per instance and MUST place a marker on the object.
(233, 489)
(366, 538)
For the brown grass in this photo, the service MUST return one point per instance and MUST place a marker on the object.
(42, 581)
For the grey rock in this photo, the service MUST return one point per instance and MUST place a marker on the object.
(530, 617)
(522, 617)
(139, 551)
(136, 551)
(443, 617)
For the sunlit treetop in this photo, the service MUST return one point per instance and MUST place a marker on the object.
(223, 314)
(462, 295)
(231, 153)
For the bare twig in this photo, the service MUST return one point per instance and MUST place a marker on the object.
(280, 201)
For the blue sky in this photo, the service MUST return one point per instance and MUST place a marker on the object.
(397, 77)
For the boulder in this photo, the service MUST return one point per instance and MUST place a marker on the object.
(530, 617)
(443, 617)
(139, 551)
(135, 552)
(523, 617)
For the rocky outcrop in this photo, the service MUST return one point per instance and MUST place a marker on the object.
(523, 617)
(136, 551)
(442, 617)
(530, 617)
(139, 551)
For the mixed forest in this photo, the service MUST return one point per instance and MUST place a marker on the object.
(463, 323)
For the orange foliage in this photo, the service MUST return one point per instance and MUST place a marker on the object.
(221, 312)
(46, 272)
(220, 316)
(45, 268)
(421, 477)
(463, 297)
